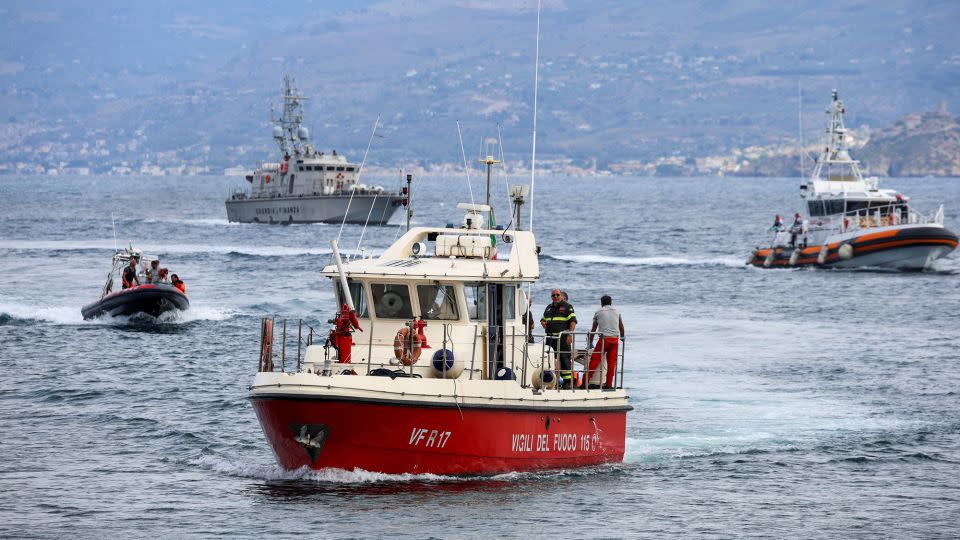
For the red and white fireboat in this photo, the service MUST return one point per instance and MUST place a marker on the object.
(431, 368)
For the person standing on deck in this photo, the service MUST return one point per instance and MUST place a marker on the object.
(608, 326)
(129, 275)
(559, 317)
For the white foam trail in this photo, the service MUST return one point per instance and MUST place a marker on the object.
(652, 261)
(338, 476)
(359, 476)
(193, 221)
(54, 314)
(66, 315)
(107, 245)
(205, 313)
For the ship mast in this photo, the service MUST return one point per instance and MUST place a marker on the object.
(490, 161)
(836, 152)
(289, 133)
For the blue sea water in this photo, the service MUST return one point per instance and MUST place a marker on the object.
(779, 403)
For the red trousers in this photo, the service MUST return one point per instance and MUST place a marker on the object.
(606, 347)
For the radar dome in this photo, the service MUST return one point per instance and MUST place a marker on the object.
(277, 132)
(303, 133)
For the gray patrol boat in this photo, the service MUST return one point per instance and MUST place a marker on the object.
(307, 186)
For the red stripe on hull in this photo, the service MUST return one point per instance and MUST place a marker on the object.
(397, 439)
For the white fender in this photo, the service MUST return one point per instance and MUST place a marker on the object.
(822, 257)
(769, 260)
(845, 252)
(544, 379)
(794, 257)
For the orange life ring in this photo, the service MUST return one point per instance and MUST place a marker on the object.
(407, 347)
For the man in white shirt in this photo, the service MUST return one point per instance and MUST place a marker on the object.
(608, 327)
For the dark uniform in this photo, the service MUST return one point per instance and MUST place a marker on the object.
(129, 277)
(558, 318)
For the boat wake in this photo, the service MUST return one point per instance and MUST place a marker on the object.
(13, 314)
(730, 261)
(165, 249)
(273, 472)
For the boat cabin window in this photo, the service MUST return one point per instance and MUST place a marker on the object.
(825, 208)
(349, 169)
(391, 301)
(476, 296)
(339, 168)
(438, 302)
(356, 292)
(509, 302)
(329, 168)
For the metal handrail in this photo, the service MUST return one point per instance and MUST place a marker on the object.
(621, 348)
(863, 218)
(519, 341)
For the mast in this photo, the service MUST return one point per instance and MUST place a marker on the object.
(490, 161)
(836, 153)
(536, 87)
(289, 133)
(800, 125)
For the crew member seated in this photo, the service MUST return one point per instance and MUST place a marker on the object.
(178, 283)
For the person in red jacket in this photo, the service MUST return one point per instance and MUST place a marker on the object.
(178, 283)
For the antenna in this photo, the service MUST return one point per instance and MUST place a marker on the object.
(506, 183)
(114, 220)
(357, 179)
(536, 88)
(465, 167)
(800, 123)
(490, 160)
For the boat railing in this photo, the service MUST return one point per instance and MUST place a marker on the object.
(587, 355)
(270, 357)
(522, 351)
(865, 218)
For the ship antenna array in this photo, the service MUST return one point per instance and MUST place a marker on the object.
(533, 157)
(536, 88)
(354, 189)
(800, 124)
(506, 184)
(113, 220)
(487, 157)
(466, 168)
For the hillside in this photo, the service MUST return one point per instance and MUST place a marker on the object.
(918, 144)
(923, 144)
(119, 86)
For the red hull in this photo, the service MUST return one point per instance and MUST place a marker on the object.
(400, 438)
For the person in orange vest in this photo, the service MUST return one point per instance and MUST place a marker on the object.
(178, 283)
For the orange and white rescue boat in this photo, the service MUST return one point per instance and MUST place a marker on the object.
(851, 222)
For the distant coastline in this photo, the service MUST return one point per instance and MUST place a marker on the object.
(916, 145)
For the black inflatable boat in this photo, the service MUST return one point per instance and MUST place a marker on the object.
(149, 299)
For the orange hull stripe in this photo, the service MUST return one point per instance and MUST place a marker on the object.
(951, 243)
(876, 236)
